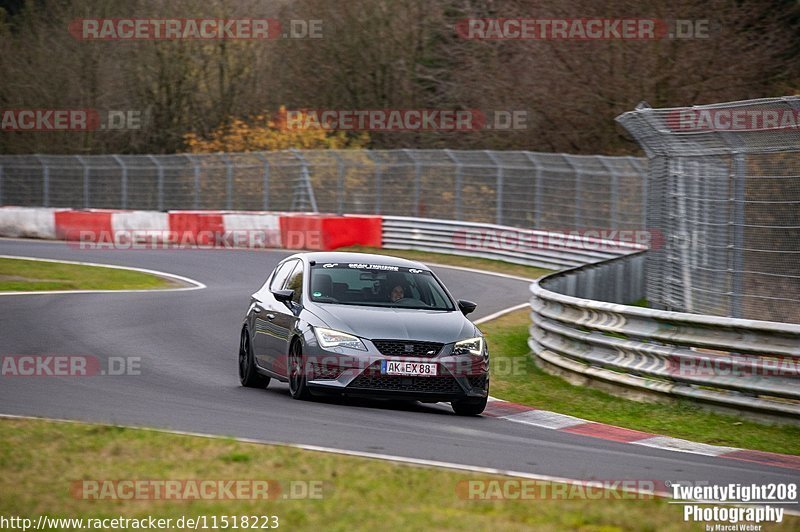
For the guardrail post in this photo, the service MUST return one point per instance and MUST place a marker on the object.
(86, 199)
(160, 184)
(498, 189)
(123, 185)
(265, 184)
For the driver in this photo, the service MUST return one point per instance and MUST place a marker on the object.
(396, 294)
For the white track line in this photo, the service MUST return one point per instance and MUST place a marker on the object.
(360, 454)
(500, 313)
(475, 270)
(196, 285)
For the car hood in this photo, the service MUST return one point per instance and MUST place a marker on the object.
(397, 323)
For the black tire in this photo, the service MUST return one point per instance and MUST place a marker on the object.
(297, 372)
(469, 407)
(248, 376)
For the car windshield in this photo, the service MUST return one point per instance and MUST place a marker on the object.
(377, 285)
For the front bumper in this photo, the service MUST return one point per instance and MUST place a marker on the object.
(359, 375)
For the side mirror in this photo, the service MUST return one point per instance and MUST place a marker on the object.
(284, 296)
(466, 307)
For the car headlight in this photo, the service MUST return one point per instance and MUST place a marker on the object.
(328, 338)
(473, 346)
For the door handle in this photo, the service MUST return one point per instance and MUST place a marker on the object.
(271, 316)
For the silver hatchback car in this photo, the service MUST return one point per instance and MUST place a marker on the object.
(363, 325)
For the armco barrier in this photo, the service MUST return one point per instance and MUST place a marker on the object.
(747, 365)
(520, 246)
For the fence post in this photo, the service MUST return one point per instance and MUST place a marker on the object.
(339, 184)
(123, 185)
(196, 174)
(378, 182)
(160, 185)
(578, 187)
(612, 214)
(738, 170)
(86, 199)
(45, 181)
(265, 184)
(537, 194)
(305, 181)
(458, 184)
(645, 177)
(228, 182)
(417, 180)
(499, 188)
(678, 175)
(1, 184)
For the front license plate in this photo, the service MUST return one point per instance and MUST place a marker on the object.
(415, 369)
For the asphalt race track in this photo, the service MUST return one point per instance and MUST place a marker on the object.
(188, 345)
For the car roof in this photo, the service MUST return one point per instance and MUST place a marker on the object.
(370, 258)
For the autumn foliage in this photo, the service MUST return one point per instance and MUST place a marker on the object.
(263, 133)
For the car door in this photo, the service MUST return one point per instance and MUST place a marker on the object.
(285, 319)
(264, 311)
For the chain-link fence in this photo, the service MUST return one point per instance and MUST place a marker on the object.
(521, 189)
(724, 187)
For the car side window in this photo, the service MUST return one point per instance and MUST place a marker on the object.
(295, 282)
(281, 274)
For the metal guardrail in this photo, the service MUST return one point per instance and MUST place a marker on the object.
(737, 363)
(542, 249)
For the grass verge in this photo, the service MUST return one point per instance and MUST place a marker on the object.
(516, 378)
(20, 275)
(520, 270)
(41, 460)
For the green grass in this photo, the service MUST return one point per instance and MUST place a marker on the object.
(529, 272)
(40, 460)
(516, 378)
(20, 275)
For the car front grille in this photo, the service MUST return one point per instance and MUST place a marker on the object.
(372, 379)
(408, 348)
